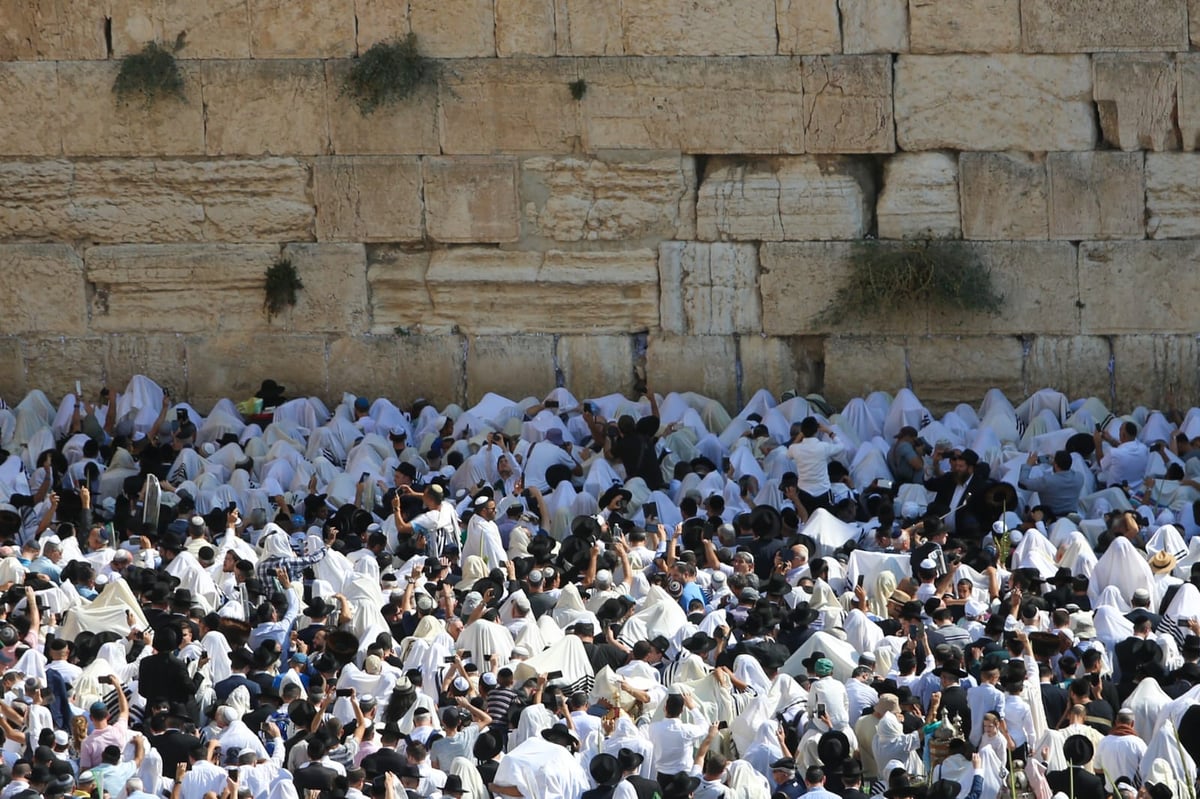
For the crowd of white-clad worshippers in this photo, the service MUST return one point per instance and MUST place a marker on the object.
(650, 597)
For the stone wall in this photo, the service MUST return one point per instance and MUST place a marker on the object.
(689, 216)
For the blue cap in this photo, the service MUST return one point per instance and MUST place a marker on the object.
(362, 404)
(97, 708)
(299, 657)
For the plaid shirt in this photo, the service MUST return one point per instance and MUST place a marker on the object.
(295, 565)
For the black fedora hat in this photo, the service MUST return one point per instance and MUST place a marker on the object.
(680, 785)
(702, 642)
(561, 734)
(454, 785)
(614, 491)
(833, 748)
(605, 769)
(810, 662)
(1078, 750)
(629, 759)
(908, 787)
(486, 747)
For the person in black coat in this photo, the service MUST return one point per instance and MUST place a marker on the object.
(171, 743)
(164, 675)
(313, 775)
(1074, 781)
(1134, 651)
(606, 773)
(630, 761)
(386, 758)
(966, 472)
(852, 781)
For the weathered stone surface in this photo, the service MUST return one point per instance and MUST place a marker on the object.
(1188, 107)
(780, 364)
(584, 27)
(53, 30)
(699, 27)
(708, 289)
(1135, 95)
(874, 26)
(54, 363)
(524, 27)
(144, 200)
(594, 366)
(379, 21)
(400, 301)
(948, 370)
(234, 364)
(162, 357)
(402, 368)
(313, 29)
(574, 199)
(369, 198)
(454, 28)
(515, 105)
(799, 280)
(964, 26)
(848, 104)
(409, 126)
(214, 29)
(1156, 371)
(704, 364)
(471, 199)
(671, 104)
(784, 199)
(265, 107)
(920, 197)
(95, 122)
(857, 365)
(1004, 196)
(334, 297)
(808, 27)
(1003, 102)
(1098, 195)
(1138, 287)
(1074, 365)
(596, 292)
(512, 366)
(12, 371)
(1172, 195)
(1084, 26)
(31, 122)
(32, 268)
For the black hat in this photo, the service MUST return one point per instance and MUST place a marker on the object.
(1078, 750)
(660, 643)
(269, 389)
(852, 770)
(561, 734)
(951, 669)
(775, 585)
(612, 493)
(944, 789)
(605, 769)
(1061, 577)
(833, 748)
(679, 786)
(454, 785)
(317, 607)
(1158, 790)
(1191, 645)
(486, 747)
(629, 759)
(784, 764)
(702, 642)
(810, 662)
(909, 787)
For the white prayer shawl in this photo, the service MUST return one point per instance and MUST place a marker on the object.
(872, 564)
(1111, 626)
(1036, 552)
(744, 782)
(483, 539)
(1166, 538)
(1167, 762)
(862, 634)
(542, 770)
(1078, 555)
(196, 579)
(890, 743)
(106, 613)
(532, 721)
(484, 638)
(366, 599)
(567, 656)
(905, 411)
(1185, 604)
(472, 783)
(1147, 702)
(1121, 566)
(217, 648)
(843, 655)
(659, 615)
(828, 531)
(869, 465)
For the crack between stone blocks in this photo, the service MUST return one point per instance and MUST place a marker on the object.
(738, 372)
(463, 380)
(907, 369)
(560, 380)
(1112, 372)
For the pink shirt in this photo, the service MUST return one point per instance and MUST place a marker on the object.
(115, 734)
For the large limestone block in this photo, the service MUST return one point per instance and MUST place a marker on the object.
(524, 27)
(704, 364)
(1085, 26)
(32, 120)
(874, 26)
(699, 27)
(780, 364)
(784, 199)
(1098, 195)
(52, 30)
(709, 289)
(400, 302)
(920, 197)
(1135, 95)
(964, 26)
(49, 295)
(334, 298)
(53, 363)
(213, 29)
(312, 29)
(948, 370)
(409, 126)
(1004, 196)
(1074, 365)
(585, 27)
(799, 280)
(572, 199)
(13, 386)
(380, 21)
(471, 199)
(265, 107)
(145, 200)
(1189, 98)
(1156, 371)
(554, 292)
(234, 365)
(857, 365)
(369, 198)
(1003, 102)
(1172, 195)
(594, 366)
(96, 123)
(673, 103)
(515, 105)
(454, 28)
(808, 27)
(401, 368)
(160, 356)
(848, 104)
(1138, 287)
(511, 366)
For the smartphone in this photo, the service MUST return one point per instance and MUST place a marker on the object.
(233, 774)
(465, 654)
(342, 692)
(590, 407)
(551, 403)
(820, 709)
(862, 578)
(362, 478)
(554, 675)
(231, 507)
(650, 511)
(914, 631)
(886, 485)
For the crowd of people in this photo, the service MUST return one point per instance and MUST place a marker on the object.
(597, 599)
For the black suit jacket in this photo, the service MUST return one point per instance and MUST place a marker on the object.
(1131, 653)
(943, 486)
(646, 789)
(165, 676)
(383, 761)
(1087, 786)
(174, 746)
(314, 776)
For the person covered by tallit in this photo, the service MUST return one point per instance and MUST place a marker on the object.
(890, 741)
(543, 767)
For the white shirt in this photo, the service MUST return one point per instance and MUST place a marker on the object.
(811, 457)
(202, 778)
(1126, 463)
(861, 696)
(982, 699)
(585, 724)
(832, 694)
(674, 742)
(542, 456)
(1120, 755)
(1019, 718)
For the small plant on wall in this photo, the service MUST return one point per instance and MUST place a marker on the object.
(150, 75)
(282, 283)
(886, 277)
(388, 73)
(578, 89)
